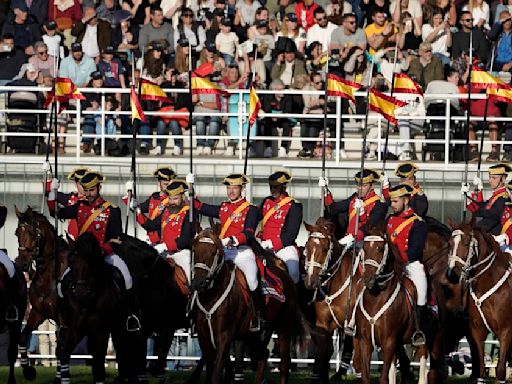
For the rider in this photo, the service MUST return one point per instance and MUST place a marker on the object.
(282, 218)
(238, 219)
(156, 203)
(489, 211)
(173, 226)
(103, 220)
(408, 232)
(371, 209)
(406, 172)
(505, 235)
(11, 313)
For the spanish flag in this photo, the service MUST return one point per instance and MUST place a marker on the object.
(481, 79)
(137, 112)
(151, 91)
(337, 86)
(254, 106)
(404, 84)
(385, 105)
(201, 85)
(203, 70)
(500, 94)
(64, 91)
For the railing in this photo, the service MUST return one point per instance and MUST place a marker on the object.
(242, 116)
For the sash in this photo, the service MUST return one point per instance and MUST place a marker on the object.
(94, 215)
(173, 216)
(159, 208)
(366, 203)
(230, 219)
(272, 210)
(402, 226)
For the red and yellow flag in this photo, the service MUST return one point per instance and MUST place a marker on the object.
(254, 106)
(137, 112)
(495, 87)
(64, 91)
(385, 105)
(337, 86)
(201, 85)
(203, 70)
(152, 91)
(404, 84)
(500, 94)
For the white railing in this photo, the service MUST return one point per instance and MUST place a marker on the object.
(242, 116)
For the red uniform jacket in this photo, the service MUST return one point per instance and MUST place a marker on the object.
(66, 200)
(418, 203)
(150, 210)
(408, 232)
(489, 211)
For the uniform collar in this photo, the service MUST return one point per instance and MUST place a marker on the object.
(96, 203)
(369, 195)
(406, 213)
(238, 202)
(499, 190)
(283, 196)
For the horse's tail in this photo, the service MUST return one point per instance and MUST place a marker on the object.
(299, 328)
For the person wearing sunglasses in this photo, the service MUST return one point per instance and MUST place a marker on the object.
(190, 29)
(348, 35)
(321, 31)
(460, 40)
(42, 61)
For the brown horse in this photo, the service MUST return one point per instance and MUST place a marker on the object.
(329, 273)
(223, 312)
(384, 315)
(36, 245)
(477, 259)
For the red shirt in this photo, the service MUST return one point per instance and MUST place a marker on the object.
(369, 202)
(271, 230)
(401, 237)
(172, 224)
(305, 17)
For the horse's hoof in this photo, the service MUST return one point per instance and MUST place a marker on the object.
(153, 369)
(56, 380)
(29, 373)
(337, 378)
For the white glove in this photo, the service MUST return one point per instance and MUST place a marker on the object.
(323, 182)
(129, 186)
(358, 204)
(267, 244)
(464, 189)
(347, 241)
(51, 196)
(501, 239)
(54, 186)
(226, 242)
(477, 183)
(190, 179)
(385, 181)
(46, 166)
(134, 204)
(160, 248)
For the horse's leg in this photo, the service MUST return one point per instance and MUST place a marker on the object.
(323, 341)
(284, 354)
(239, 362)
(68, 339)
(392, 372)
(437, 363)
(219, 361)
(161, 348)
(501, 369)
(479, 336)
(423, 354)
(475, 355)
(97, 345)
(388, 351)
(33, 322)
(12, 353)
(365, 353)
(405, 365)
(196, 373)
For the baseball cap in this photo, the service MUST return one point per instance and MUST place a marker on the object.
(51, 25)
(96, 75)
(291, 16)
(76, 47)
(211, 47)
(109, 50)
(183, 42)
(261, 23)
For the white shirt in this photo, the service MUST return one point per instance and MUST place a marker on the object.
(90, 41)
(287, 75)
(480, 13)
(322, 35)
(53, 44)
(440, 45)
(414, 8)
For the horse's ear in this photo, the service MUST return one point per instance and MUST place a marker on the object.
(216, 229)
(330, 228)
(18, 212)
(70, 240)
(309, 227)
(451, 223)
(472, 220)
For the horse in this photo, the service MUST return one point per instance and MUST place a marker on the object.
(384, 314)
(36, 246)
(477, 260)
(223, 311)
(328, 273)
(163, 303)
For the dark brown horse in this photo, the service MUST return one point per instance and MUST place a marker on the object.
(384, 315)
(224, 311)
(480, 264)
(36, 245)
(329, 273)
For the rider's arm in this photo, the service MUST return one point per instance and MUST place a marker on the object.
(151, 225)
(114, 229)
(63, 198)
(141, 214)
(291, 226)
(335, 208)
(69, 212)
(377, 216)
(207, 209)
(184, 240)
(417, 237)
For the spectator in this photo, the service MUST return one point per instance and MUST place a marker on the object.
(211, 55)
(410, 126)
(426, 67)
(181, 60)
(139, 9)
(369, 7)
(380, 32)
(157, 31)
(153, 64)
(201, 7)
(125, 39)
(305, 13)
(41, 61)
(291, 29)
(480, 12)
(92, 103)
(409, 32)
(348, 35)
(447, 7)
(212, 25)
(52, 39)
(77, 66)
(264, 41)
(448, 86)
(227, 42)
(261, 15)
(38, 10)
(280, 9)
(108, 126)
(287, 66)
(411, 6)
(107, 10)
(356, 66)
(437, 32)
(24, 29)
(502, 32)
(11, 59)
(317, 60)
(321, 31)
(94, 35)
(189, 29)
(336, 9)
(313, 104)
(246, 12)
(112, 70)
(277, 103)
(65, 13)
(460, 41)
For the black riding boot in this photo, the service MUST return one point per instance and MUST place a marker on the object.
(418, 338)
(132, 321)
(258, 322)
(11, 313)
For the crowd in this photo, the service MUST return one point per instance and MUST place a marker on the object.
(276, 44)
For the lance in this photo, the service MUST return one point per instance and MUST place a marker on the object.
(324, 143)
(468, 118)
(190, 176)
(253, 75)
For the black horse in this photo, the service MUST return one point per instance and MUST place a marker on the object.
(163, 304)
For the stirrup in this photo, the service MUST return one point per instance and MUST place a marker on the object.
(11, 314)
(418, 339)
(132, 323)
(255, 325)
(350, 331)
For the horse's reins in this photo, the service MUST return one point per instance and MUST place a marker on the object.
(382, 279)
(310, 265)
(33, 251)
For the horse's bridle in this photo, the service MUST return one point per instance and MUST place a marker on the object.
(34, 251)
(382, 279)
(218, 262)
(310, 265)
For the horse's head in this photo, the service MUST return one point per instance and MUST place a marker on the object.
(319, 250)
(208, 259)
(30, 236)
(376, 256)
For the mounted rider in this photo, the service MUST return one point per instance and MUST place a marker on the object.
(173, 227)
(238, 219)
(11, 313)
(408, 232)
(371, 209)
(280, 226)
(490, 211)
(407, 174)
(505, 236)
(101, 218)
(154, 205)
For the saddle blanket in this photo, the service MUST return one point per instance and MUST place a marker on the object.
(270, 284)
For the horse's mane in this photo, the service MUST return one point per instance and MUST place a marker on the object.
(440, 229)
(211, 233)
(88, 248)
(325, 225)
(380, 230)
(31, 215)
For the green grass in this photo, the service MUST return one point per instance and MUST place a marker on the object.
(82, 375)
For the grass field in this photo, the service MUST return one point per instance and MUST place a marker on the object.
(81, 375)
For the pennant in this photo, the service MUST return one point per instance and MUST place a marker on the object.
(481, 79)
(202, 86)
(63, 91)
(254, 106)
(137, 112)
(203, 70)
(152, 91)
(385, 105)
(337, 86)
(404, 84)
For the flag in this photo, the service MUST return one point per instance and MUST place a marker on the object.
(385, 105)
(64, 91)
(254, 106)
(404, 84)
(495, 87)
(137, 112)
(203, 70)
(500, 94)
(201, 86)
(337, 86)
(152, 91)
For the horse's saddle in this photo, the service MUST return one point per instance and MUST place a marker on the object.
(179, 277)
(270, 285)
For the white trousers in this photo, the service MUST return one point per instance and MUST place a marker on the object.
(416, 272)
(119, 263)
(6, 261)
(290, 257)
(245, 260)
(182, 259)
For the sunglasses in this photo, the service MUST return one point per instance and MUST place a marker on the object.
(321, 19)
(318, 82)
(468, 20)
(187, 15)
(42, 53)
(351, 22)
